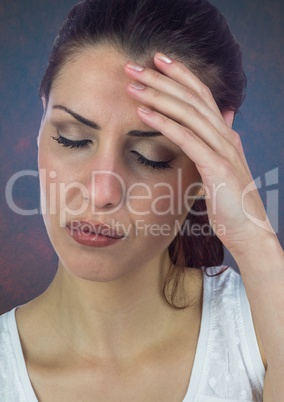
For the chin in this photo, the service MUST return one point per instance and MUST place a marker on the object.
(95, 271)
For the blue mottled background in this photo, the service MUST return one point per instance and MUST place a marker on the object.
(27, 31)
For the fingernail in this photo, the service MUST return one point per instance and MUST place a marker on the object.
(135, 67)
(136, 85)
(144, 109)
(164, 58)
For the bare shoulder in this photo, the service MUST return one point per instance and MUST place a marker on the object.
(36, 333)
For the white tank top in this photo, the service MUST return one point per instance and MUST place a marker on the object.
(227, 366)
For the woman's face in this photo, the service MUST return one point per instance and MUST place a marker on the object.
(114, 192)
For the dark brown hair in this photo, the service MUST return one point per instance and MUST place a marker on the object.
(192, 31)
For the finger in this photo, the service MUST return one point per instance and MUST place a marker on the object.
(228, 116)
(178, 73)
(181, 74)
(185, 114)
(159, 82)
(197, 150)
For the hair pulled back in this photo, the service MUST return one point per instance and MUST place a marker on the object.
(191, 31)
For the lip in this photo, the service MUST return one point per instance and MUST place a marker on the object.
(93, 235)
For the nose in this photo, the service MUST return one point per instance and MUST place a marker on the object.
(107, 191)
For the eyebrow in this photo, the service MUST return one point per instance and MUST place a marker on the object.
(79, 118)
(92, 124)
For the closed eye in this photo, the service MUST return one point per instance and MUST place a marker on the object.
(65, 142)
(153, 164)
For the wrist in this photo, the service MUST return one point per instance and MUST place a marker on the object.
(261, 251)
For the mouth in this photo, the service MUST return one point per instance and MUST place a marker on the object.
(95, 235)
(99, 229)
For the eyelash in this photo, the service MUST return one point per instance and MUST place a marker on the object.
(70, 143)
(84, 143)
(153, 164)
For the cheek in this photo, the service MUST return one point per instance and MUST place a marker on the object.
(164, 201)
(62, 195)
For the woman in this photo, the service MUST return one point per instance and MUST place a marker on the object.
(139, 101)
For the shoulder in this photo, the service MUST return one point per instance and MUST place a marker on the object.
(7, 357)
(231, 358)
(7, 333)
(224, 284)
(224, 291)
(14, 379)
(229, 292)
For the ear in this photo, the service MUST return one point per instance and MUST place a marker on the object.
(44, 104)
(43, 99)
(229, 116)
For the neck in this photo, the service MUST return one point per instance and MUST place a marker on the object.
(115, 319)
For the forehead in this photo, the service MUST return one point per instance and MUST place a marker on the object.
(94, 83)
